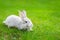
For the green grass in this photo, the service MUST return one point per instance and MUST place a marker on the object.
(45, 15)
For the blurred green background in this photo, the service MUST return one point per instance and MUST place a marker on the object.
(45, 15)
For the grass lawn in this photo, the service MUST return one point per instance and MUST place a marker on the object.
(45, 15)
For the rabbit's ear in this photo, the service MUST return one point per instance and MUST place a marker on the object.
(19, 12)
(23, 14)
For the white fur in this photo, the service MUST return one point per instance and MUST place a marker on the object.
(19, 21)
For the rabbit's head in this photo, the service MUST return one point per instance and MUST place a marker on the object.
(24, 18)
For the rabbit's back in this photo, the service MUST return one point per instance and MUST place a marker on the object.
(12, 20)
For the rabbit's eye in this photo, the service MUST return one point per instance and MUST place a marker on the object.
(25, 21)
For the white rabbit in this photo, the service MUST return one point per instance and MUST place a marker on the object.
(21, 21)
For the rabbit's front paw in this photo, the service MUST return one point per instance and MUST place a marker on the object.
(29, 29)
